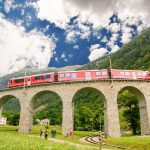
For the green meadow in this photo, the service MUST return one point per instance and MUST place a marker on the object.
(10, 139)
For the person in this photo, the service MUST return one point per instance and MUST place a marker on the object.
(53, 133)
(41, 133)
(46, 133)
(70, 133)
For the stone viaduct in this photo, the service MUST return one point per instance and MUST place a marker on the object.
(108, 89)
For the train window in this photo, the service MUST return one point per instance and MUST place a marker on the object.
(39, 77)
(139, 73)
(62, 75)
(36, 78)
(73, 75)
(104, 73)
(144, 73)
(122, 73)
(127, 73)
(67, 75)
(47, 76)
(98, 73)
(19, 80)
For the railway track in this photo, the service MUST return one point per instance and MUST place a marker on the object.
(94, 139)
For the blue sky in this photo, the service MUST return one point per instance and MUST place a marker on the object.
(58, 33)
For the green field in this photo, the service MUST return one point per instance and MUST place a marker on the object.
(10, 139)
(131, 142)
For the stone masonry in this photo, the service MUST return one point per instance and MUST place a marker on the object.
(108, 89)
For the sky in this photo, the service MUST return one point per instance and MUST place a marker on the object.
(58, 33)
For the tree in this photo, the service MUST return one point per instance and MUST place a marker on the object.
(129, 104)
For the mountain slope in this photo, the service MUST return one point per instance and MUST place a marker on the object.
(134, 55)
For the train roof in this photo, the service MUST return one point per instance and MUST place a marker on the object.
(129, 70)
(81, 70)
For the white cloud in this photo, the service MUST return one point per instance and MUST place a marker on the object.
(8, 5)
(70, 55)
(56, 59)
(63, 55)
(76, 47)
(112, 43)
(79, 30)
(114, 27)
(126, 34)
(96, 12)
(134, 9)
(96, 52)
(114, 48)
(140, 28)
(114, 37)
(104, 39)
(53, 11)
(19, 49)
(71, 34)
(85, 31)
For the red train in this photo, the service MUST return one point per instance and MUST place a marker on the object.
(79, 76)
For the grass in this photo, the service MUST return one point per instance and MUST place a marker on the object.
(12, 140)
(131, 142)
(75, 139)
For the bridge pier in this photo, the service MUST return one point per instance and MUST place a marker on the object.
(67, 116)
(26, 117)
(144, 108)
(111, 116)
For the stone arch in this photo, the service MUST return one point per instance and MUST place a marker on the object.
(4, 99)
(144, 120)
(100, 93)
(39, 94)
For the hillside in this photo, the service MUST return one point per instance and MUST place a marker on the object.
(134, 55)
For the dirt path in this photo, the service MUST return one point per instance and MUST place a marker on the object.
(71, 143)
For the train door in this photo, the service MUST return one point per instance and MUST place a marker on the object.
(88, 75)
(55, 77)
(29, 81)
(134, 75)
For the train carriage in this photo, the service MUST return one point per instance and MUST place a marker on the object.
(33, 79)
(43, 78)
(83, 75)
(129, 74)
(15, 82)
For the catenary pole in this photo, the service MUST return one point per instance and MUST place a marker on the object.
(25, 77)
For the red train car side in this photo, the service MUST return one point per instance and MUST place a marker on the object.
(43, 78)
(78, 76)
(129, 74)
(83, 75)
(14, 82)
(31, 80)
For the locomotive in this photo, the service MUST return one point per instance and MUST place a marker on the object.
(81, 75)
